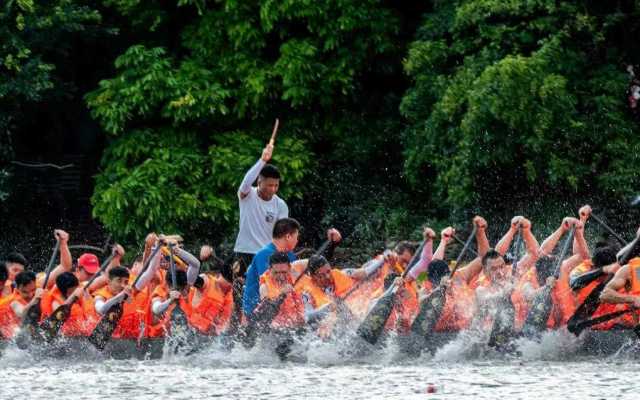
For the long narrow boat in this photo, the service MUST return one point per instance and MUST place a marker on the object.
(591, 343)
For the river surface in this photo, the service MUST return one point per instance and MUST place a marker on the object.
(551, 370)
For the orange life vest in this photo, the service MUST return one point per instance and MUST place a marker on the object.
(213, 311)
(291, 313)
(629, 319)
(76, 324)
(160, 326)
(133, 313)
(9, 321)
(458, 309)
(404, 310)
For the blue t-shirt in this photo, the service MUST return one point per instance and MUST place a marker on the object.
(259, 265)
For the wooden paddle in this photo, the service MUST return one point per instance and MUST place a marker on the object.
(542, 303)
(52, 324)
(577, 328)
(103, 332)
(30, 322)
(272, 141)
(373, 324)
(432, 306)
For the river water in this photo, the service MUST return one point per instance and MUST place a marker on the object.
(551, 370)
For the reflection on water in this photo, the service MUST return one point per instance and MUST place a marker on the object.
(551, 369)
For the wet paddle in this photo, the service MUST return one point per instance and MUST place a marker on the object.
(608, 228)
(577, 328)
(52, 324)
(542, 303)
(180, 327)
(432, 306)
(29, 327)
(272, 141)
(103, 332)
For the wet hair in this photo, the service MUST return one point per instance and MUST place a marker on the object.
(285, 226)
(17, 258)
(279, 258)
(545, 267)
(436, 270)
(315, 263)
(4, 271)
(490, 255)
(270, 171)
(199, 283)
(24, 278)
(118, 272)
(181, 279)
(388, 280)
(405, 245)
(603, 256)
(66, 281)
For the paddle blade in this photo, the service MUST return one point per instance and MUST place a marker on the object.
(503, 330)
(29, 327)
(371, 328)
(52, 324)
(105, 328)
(588, 307)
(539, 312)
(430, 311)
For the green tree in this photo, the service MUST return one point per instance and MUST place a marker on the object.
(189, 116)
(521, 95)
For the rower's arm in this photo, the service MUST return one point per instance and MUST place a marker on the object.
(551, 242)
(263, 292)
(425, 259)
(21, 310)
(445, 238)
(610, 292)
(159, 307)
(151, 271)
(580, 246)
(505, 242)
(482, 240)
(102, 306)
(193, 270)
(470, 271)
(532, 249)
(66, 261)
(249, 178)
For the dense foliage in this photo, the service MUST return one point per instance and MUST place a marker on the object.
(391, 114)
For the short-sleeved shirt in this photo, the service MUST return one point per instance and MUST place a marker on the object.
(259, 265)
(257, 218)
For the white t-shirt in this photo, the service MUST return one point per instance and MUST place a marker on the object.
(257, 218)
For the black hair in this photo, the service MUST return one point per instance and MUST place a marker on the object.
(285, 226)
(17, 258)
(405, 245)
(436, 270)
(24, 278)
(118, 272)
(490, 255)
(315, 263)
(388, 280)
(603, 256)
(199, 283)
(4, 271)
(181, 279)
(279, 258)
(66, 281)
(270, 171)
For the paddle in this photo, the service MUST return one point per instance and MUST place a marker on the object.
(577, 328)
(608, 228)
(457, 239)
(542, 303)
(179, 322)
(52, 324)
(104, 330)
(32, 314)
(373, 324)
(432, 306)
(274, 133)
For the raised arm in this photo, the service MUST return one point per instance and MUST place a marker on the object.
(531, 243)
(254, 171)
(610, 293)
(481, 235)
(584, 213)
(472, 269)
(505, 242)
(550, 243)
(445, 237)
(65, 257)
(427, 254)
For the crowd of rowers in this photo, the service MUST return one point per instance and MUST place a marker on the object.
(310, 293)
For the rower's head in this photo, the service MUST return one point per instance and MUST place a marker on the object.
(15, 263)
(320, 271)
(181, 281)
(603, 256)
(4, 274)
(118, 279)
(494, 266)
(88, 265)
(285, 234)
(405, 251)
(268, 182)
(67, 282)
(280, 267)
(437, 270)
(26, 284)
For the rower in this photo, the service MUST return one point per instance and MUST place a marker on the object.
(67, 290)
(623, 292)
(15, 306)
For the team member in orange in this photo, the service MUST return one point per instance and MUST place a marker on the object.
(623, 292)
(5, 283)
(276, 285)
(15, 306)
(67, 291)
(211, 299)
